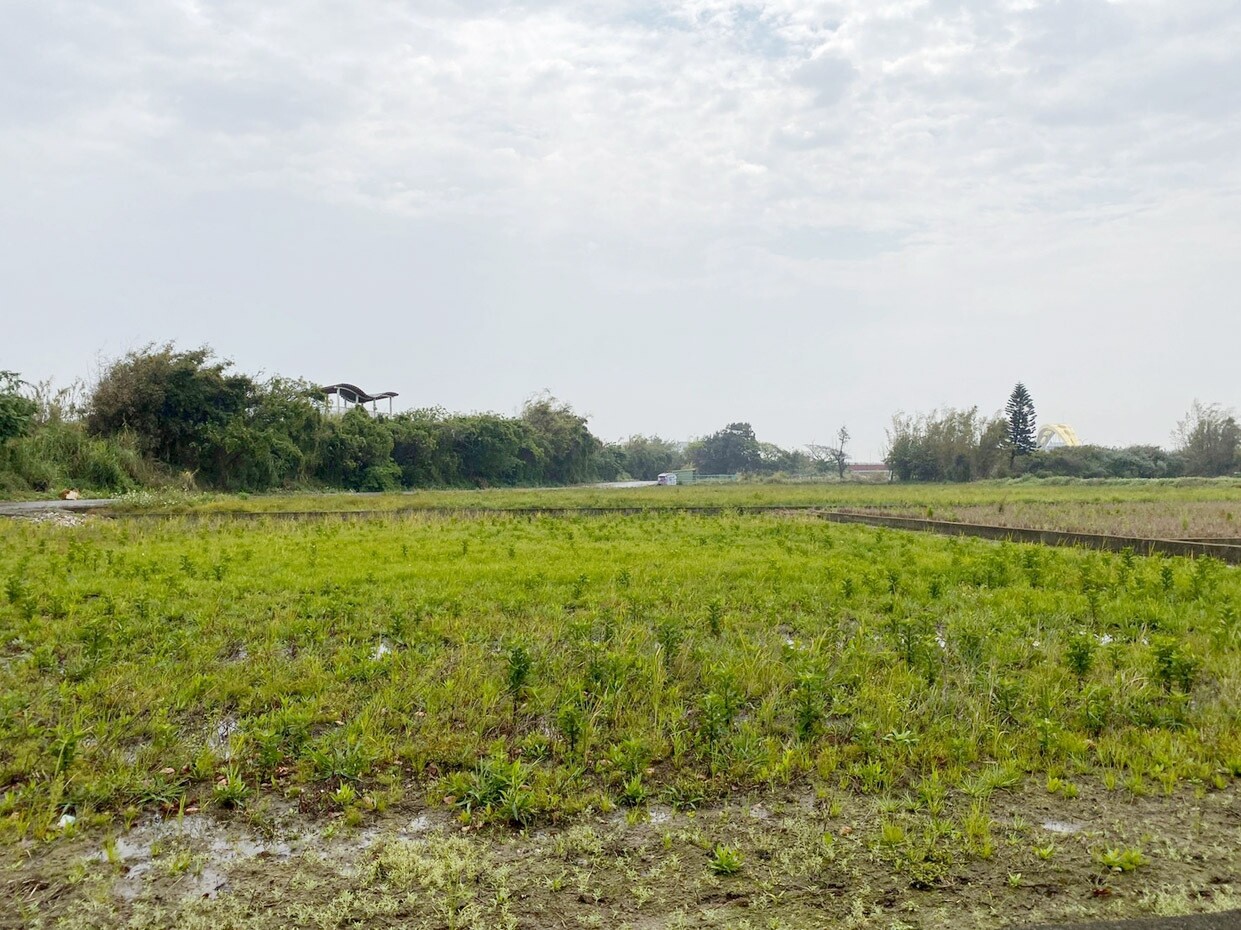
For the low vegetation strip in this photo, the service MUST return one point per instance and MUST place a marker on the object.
(1158, 500)
(1226, 550)
(529, 672)
(462, 512)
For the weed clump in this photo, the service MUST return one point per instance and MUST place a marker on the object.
(496, 789)
(726, 860)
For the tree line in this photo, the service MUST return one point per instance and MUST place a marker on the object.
(966, 445)
(162, 415)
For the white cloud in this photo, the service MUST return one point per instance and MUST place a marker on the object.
(893, 114)
(880, 149)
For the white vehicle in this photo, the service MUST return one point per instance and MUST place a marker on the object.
(666, 478)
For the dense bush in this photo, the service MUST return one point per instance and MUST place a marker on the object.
(62, 455)
(16, 410)
(358, 454)
(1209, 440)
(422, 448)
(189, 410)
(1102, 462)
(176, 405)
(645, 458)
(731, 450)
(948, 445)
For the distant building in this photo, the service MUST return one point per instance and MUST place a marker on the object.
(875, 471)
(1056, 436)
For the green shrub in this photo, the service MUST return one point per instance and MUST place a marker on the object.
(726, 860)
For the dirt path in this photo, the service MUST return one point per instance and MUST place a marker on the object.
(31, 508)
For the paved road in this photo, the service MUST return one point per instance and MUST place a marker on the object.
(1226, 920)
(27, 508)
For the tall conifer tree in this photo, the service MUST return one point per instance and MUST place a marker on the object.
(1021, 423)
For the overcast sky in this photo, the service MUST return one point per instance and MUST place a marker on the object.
(672, 215)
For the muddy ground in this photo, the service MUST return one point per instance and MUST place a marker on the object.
(808, 860)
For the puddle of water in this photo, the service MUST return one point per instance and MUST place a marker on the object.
(658, 813)
(345, 845)
(208, 883)
(221, 733)
(204, 849)
(130, 885)
(1062, 826)
(420, 824)
(251, 849)
(652, 814)
(203, 838)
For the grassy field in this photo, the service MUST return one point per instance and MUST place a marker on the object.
(653, 719)
(904, 497)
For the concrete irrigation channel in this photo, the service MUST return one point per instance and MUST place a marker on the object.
(1226, 550)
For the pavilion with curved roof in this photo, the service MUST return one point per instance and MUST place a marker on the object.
(350, 395)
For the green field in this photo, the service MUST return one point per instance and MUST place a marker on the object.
(1067, 493)
(639, 719)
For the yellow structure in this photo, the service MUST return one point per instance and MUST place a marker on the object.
(1056, 435)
